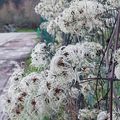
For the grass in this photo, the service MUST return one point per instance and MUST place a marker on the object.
(25, 30)
(30, 69)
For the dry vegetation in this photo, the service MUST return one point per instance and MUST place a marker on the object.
(18, 12)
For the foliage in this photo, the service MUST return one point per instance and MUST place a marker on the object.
(25, 30)
(17, 2)
(43, 34)
(30, 69)
(2, 2)
(46, 118)
(72, 81)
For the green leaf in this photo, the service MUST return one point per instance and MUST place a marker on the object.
(46, 118)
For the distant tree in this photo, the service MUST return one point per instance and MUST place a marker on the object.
(17, 2)
(2, 2)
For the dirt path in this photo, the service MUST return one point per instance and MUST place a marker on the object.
(13, 47)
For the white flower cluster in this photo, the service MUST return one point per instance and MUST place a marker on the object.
(44, 25)
(50, 9)
(79, 16)
(76, 54)
(117, 58)
(117, 71)
(69, 59)
(63, 70)
(39, 56)
(52, 27)
(103, 115)
(85, 114)
(43, 94)
(114, 3)
(16, 76)
(22, 101)
(39, 94)
(75, 16)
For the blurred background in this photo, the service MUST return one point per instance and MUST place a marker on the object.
(18, 15)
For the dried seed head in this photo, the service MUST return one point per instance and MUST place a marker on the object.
(48, 85)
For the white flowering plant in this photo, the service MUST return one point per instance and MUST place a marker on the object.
(70, 81)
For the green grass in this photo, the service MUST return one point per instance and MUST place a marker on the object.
(25, 30)
(30, 69)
